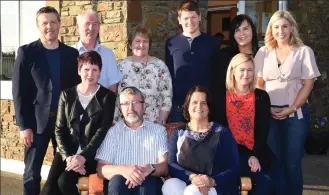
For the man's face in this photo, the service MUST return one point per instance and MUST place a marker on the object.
(190, 21)
(132, 107)
(88, 28)
(48, 26)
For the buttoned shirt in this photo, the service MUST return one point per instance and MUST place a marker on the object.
(110, 73)
(283, 83)
(125, 146)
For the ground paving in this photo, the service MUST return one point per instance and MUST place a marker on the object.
(315, 168)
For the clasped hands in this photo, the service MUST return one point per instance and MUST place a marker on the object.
(281, 113)
(135, 175)
(202, 182)
(76, 163)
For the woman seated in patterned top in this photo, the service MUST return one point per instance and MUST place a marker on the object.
(248, 114)
(147, 73)
(202, 155)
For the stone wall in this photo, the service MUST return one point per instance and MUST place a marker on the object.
(113, 29)
(313, 18)
(12, 146)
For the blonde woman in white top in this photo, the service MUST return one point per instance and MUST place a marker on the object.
(286, 69)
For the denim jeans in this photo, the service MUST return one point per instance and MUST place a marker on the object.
(150, 186)
(286, 139)
(33, 158)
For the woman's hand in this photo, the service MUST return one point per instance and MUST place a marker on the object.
(284, 112)
(76, 162)
(254, 164)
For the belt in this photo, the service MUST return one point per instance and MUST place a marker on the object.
(52, 114)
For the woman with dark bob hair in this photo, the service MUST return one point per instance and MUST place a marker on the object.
(202, 155)
(85, 113)
(243, 39)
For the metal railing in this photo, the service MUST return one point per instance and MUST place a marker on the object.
(7, 67)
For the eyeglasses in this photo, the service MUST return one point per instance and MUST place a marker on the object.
(134, 103)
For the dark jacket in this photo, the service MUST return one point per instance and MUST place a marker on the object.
(32, 87)
(262, 117)
(98, 119)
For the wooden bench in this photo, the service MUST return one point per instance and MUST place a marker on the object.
(93, 185)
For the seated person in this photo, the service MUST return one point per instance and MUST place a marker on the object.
(203, 156)
(85, 113)
(133, 155)
(248, 114)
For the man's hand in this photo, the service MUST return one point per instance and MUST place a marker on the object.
(27, 136)
(134, 175)
(146, 169)
(254, 164)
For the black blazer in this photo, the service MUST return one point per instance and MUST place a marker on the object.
(98, 120)
(261, 149)
(32, 87)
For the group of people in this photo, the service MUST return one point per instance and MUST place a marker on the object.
(244, 108)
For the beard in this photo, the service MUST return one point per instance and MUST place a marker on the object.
(133, 118)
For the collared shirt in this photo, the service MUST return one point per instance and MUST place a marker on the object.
(283, 83)
(110, 73)
(125, 146)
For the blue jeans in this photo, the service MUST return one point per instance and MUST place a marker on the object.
(150, 186)
(286, 139)
(261, 180)
(33, 158)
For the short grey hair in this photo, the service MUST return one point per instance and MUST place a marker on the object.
(131, 91)
(85, 12)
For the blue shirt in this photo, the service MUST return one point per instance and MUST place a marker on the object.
(190, 62)
(53, 58)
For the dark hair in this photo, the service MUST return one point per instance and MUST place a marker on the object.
(188, 5)
(197, 88)
(48, 10)
(236, 23)
(142, 30)
(91, 57)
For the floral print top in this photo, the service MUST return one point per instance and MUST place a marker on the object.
(240, 111)
(153, 79)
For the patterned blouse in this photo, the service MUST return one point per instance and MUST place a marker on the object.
(153, 79)
(240, 110)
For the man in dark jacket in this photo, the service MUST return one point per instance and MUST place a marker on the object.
(42, 69)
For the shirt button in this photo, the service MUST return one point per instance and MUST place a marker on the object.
(192, 52)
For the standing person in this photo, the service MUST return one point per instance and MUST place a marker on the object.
(243, 38)
(42, 69)
(286, 68)
(147, 73)
(133, 155)
(248, 114)
(85, 113)
(202, 155)
(190, 57)
(88, 24)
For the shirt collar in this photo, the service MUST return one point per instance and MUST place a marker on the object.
(80, 46)
(139, 128)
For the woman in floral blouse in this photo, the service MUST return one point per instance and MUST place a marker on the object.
(149, 74)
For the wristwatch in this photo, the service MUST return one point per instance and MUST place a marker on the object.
(152, 168)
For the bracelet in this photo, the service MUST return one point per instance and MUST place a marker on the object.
(294, 107)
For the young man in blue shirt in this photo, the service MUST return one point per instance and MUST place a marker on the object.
(191, 56)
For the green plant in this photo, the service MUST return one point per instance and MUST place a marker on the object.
(319, 124)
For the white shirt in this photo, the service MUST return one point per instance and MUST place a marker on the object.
(125, 146)
(110, 73)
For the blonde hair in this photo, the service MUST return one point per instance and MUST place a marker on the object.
(235, 62)
(270, 42)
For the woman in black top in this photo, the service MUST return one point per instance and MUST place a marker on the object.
(85, 113)
(243, 38)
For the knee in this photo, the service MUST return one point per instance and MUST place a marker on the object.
(170, 185)
(191, 190)
(116, 183)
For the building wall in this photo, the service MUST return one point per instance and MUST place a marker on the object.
(313, 18)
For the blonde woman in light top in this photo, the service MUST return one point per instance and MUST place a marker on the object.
(286, 69)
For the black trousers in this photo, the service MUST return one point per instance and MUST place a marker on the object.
(61, 182)
(33, 158)
(150, 186)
